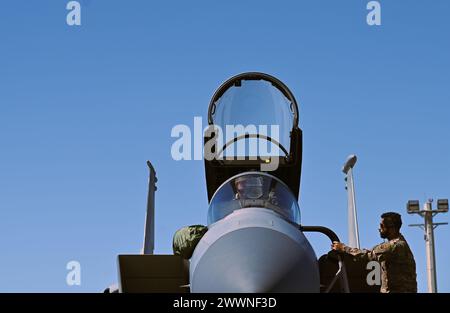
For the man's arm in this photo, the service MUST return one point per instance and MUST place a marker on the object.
(376, 254)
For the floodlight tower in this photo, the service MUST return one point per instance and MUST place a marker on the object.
(413, 207)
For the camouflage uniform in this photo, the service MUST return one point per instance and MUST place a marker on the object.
(398, 268)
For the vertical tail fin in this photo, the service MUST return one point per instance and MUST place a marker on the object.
(149, 232)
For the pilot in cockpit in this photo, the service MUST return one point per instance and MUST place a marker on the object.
(255, 191)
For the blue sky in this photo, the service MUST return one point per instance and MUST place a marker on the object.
(83, 108)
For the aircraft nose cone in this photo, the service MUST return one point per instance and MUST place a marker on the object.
(267, 255)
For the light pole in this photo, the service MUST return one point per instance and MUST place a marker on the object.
(428, 213)
(353, 233)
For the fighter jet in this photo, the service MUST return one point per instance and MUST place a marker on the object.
(255, 241)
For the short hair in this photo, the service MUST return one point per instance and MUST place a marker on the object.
(392, 219)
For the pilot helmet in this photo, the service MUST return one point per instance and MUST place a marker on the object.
(249, 187)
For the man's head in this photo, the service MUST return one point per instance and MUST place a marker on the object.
(390, 225)
(249, 187)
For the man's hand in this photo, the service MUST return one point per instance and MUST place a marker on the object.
(337, 246)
